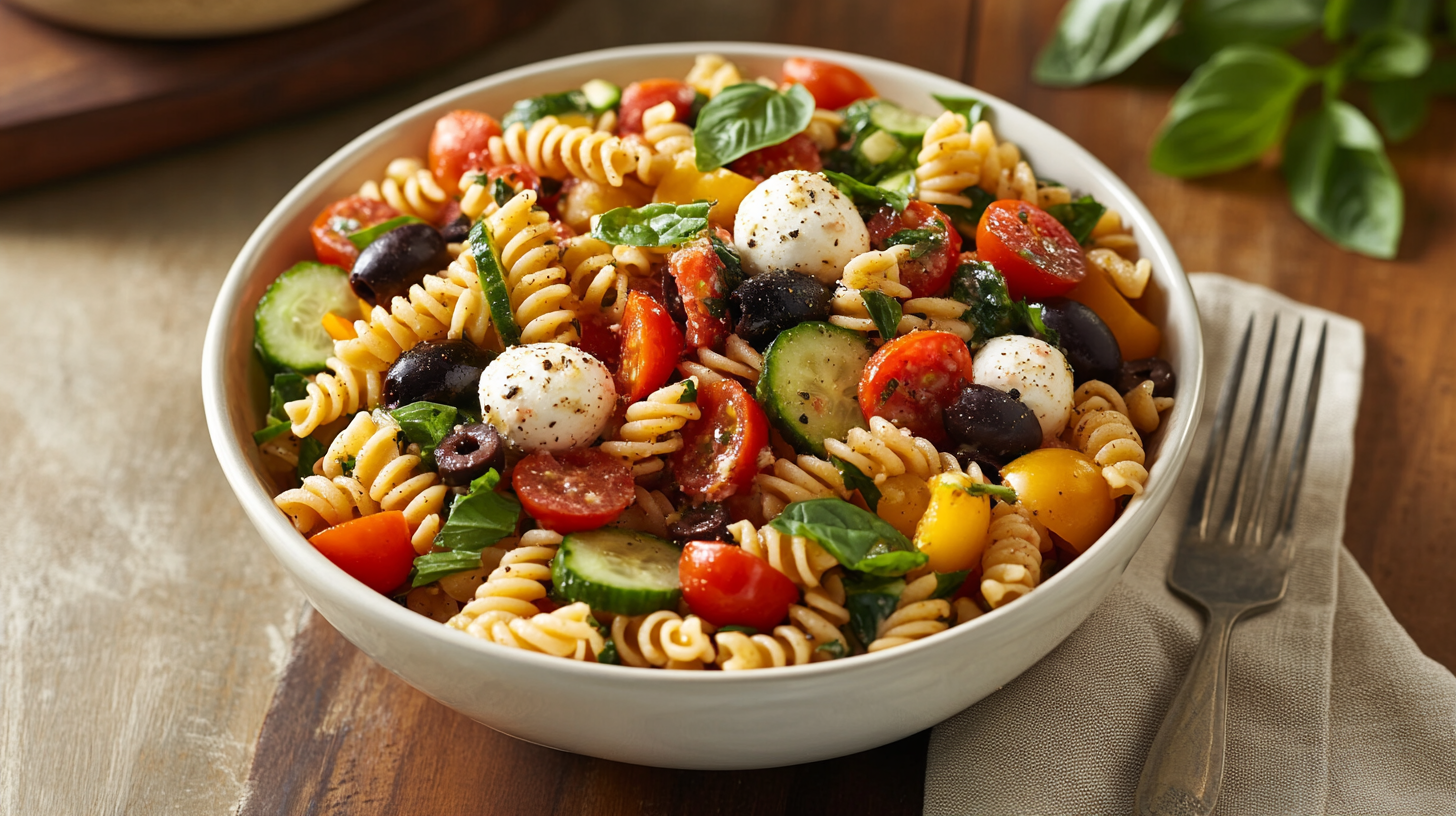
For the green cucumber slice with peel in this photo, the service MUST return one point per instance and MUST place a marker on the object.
(492, 275)
(621, 571)
(810, 384)
(287, 324)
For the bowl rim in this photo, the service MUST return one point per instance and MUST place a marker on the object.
(297, 555)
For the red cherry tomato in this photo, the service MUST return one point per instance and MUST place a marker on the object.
(1035, 253)
(651, 347)
(928, 274)
(698, 272)
(375, 549)
(911, 379)
(833, 86)
(573, 490)
(726, 586)
(518, 176)
(797, 153)
(330, 230)
(720, 451)
(649, 93)
(598, 339)
(460, 142)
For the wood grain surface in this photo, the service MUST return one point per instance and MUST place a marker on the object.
(60, 90)
(143, 627)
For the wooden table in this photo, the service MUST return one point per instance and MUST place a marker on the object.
(146, 629)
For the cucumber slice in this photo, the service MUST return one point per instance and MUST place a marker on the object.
(880, 147)
(902, 182)
(621, 571)
(810, 384)
(903, 123)
(601, 94)
(287, 327)
(492, 277)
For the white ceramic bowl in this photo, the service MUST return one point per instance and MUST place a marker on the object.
(705, 720)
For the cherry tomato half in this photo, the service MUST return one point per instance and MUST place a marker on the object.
(651, 346)
(598, 339)
(648, 93)
(833, 86)
(460, 142)
(375, 549)
(1032, 249)
(330, 230)
(798, 152)
(573, 490)
(911, 379)
(932, 258)
(720, 451)
(726, 586)
(1065, 491)
(698, 272)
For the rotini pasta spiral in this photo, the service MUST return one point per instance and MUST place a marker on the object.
(564, 632)
(663, 639)
(1011, 564)
(823, 128)
(637, 262)
(511, 588)
(738, 360)
(653, 427)
(540, 296)
(1144, 409)
(800, 560)
(916, 615)
(711, 73)
(560, 151)
(1111, 233)
(649, 512)
(663, 140)
(879, 270)
(1102, 430)
(594, 278)
(947, 164)
(791, 644)
(1130, 278)
(341, 390)
(409, 188)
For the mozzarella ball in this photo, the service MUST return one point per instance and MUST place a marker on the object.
(1033, 371)
(799, 221)
(547, 396)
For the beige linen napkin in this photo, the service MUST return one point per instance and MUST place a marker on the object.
(1332, 707)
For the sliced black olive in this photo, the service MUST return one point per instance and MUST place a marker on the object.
(766, 304)
(443, 371)
(1160, 371)
(672, 299)
(991, 423)
(467, 453)
(1089, 345)
(397, 260)
(706, 522)
(456, 231)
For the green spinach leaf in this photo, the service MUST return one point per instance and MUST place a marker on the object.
(1096, 39)
(884, 310)
(867, 195)
(973, 109)
(653, 225)
(434, 566)
(745, 117)
(481, 517)
(365, 237)
(1079, 217)
(1341, 182)
(860, 540)
(527, 111)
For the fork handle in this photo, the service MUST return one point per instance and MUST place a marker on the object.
(1184, 771)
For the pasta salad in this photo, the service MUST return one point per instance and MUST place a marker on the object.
(714, 373)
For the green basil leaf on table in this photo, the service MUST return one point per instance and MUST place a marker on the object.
(1079, 216)
(1096, 39)
(481, 517)
(1342, 17)
(1401, 106)
(867, 194)
(365, 237)
(1341, 182)
(857, 538)
(1232, 111)
(1391, 53)
(855, 479)
(527, 111)
(425, 424)
(1209, 25)
(745, 117)
(310, 450)
(653, 225)
(434, 566)
(971, 108)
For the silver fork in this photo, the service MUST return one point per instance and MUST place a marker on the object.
(1237, 567)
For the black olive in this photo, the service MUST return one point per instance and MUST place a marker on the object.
(766, 304)
(994, 423)
(443, 371)
(397, 260)
(706, 522)
(672, 299)
(467, 453)
(456, 231)
(1090, 346)
(1160, 371)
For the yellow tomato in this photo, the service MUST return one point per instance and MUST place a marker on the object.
(903, 500)
(1065, 491)
(684, 184)
(953, 530)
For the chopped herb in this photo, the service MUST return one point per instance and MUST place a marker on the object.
(434, 566)
(1079, 217)
(884, 310)
(855, 479)
(481, 517)
(310, 450)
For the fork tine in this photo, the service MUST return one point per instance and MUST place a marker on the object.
(1271, 450)
(1300, 457)
(1204, 489)
(1234, 513)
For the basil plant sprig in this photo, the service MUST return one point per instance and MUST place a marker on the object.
(1242, 101)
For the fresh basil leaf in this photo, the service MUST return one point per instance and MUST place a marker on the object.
(745, 117)
(733, 275)
(310, 450)
(1096, 39)
(653, 225)
(608, 654)
(946, 583)
(733, 627)
(853, 536)
(481, 517)
(1359, 17)
(275, 428)
(898, 562)
(870, 599)
(527, 111)
(365, 237)
(1232, 111)
(855, 479)
(973, 109)
(867, 194)
(1401, 106)
(1079, 217)
(1210, 25)
(1391, 53)
(425, 424)
(884, 310)
(1341, 182)
(501, 192)
(434, 566)
(287, 387)
(966, 219)
(1031, 318)
(921, 241)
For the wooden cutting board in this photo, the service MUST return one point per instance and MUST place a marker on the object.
(71, 102)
